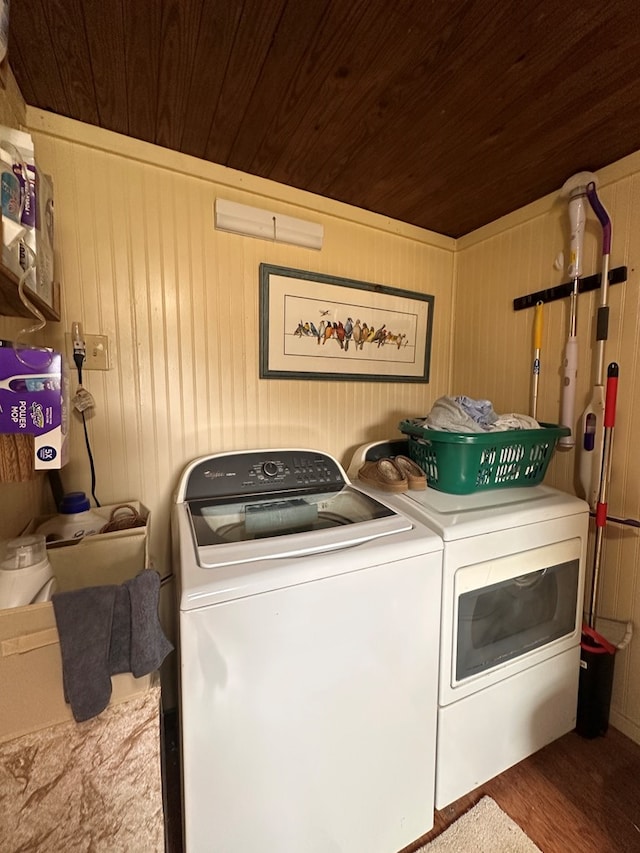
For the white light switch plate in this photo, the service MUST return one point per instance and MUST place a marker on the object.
(97, 352)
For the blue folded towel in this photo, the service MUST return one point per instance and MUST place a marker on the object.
(105, 630)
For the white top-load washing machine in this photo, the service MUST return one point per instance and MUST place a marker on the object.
(308, 642)
(512, 606)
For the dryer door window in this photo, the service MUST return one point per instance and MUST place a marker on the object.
(508, 619)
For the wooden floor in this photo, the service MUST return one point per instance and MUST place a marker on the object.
(574, 796)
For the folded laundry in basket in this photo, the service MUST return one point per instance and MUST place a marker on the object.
(105, 630)
(513, 420)
(481, 411)
(463, 414)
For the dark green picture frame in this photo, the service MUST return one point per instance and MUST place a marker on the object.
(318, 326)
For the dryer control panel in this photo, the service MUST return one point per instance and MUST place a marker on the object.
(262, 473)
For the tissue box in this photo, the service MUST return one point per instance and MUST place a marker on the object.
(34, 399)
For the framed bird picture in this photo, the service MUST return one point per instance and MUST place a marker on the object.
(316, 326)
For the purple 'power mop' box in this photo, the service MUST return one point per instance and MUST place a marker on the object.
(34, 395)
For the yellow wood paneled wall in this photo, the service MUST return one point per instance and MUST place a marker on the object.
(140, 261)
(493, 358)
(18, 501)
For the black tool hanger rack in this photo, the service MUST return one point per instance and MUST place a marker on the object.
(551, 294)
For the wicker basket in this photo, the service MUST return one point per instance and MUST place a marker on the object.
(464, 463)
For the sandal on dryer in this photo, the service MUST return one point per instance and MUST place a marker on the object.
(383, 474)
(412, 471)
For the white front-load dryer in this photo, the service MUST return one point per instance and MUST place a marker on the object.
(309, 620)
(511, 617)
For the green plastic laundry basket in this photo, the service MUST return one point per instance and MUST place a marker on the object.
(464, 463)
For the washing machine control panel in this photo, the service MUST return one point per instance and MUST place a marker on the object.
(261, 473)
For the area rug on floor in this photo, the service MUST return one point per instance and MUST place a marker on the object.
(483, 829)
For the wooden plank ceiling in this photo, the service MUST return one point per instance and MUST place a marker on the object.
(442, 114)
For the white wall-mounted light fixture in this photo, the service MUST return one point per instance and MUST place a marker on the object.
(255, 222)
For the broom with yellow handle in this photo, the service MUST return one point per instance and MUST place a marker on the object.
(537, 346)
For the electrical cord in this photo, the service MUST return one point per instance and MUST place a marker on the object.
(79, 357)
(628, 522)
(91, 464)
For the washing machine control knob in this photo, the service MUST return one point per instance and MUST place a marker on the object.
(270, 469)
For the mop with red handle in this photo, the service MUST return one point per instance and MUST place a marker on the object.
(605, 473)
(597, 654)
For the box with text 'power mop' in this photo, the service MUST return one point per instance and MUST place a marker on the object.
(34, 400)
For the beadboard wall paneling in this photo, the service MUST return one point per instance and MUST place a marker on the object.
(141, 262)
(18, 501)
(493, 354)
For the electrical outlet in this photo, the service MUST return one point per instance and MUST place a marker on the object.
(97, 347)
(97, 352)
